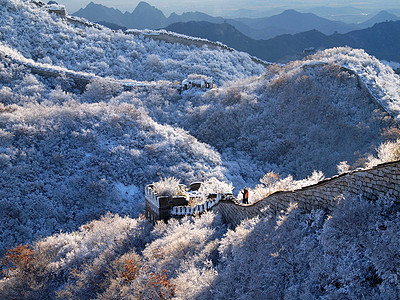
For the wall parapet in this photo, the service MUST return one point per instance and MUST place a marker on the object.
(163, 207)
(381, 180)
(173, 38)
(199, 208)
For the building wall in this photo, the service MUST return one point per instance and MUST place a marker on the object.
(378, 181)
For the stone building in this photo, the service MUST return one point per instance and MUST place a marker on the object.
(161, 207)
(158, 207)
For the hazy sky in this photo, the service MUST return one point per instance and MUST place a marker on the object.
(224, 6)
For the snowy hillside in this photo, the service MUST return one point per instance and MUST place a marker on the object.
(89, 116)
(65, 162)
(352, 254)
(47, 38)
(70, 153)
(380, 79)
(308, 115)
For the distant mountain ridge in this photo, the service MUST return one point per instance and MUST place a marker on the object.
(194, 16)
(73, 161)
(382, 16)
(347, 14)
(98, 13)
(382, 40)
(145, 16)
(289, 22)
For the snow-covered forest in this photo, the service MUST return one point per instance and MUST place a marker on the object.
(45, 38)
(353, 254)
(74, 160)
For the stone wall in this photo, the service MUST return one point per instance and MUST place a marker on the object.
(172, 38)
(371, 183)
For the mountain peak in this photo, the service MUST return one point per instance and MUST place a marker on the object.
(383, 12)
(144, 4)
(144, 7)
(92, 4)
(382, 16)
(290, 12)
(386, 14)
(146, 16)
(295, 15)
(96, 7)
(97, 12)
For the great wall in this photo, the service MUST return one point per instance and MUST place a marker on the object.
(172, 37)
(371, 183)
(381, 180)
(82, 78)
(158, 35)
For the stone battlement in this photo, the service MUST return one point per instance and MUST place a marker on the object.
(162, 207)
(371, 183)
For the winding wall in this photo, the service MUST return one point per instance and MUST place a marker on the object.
(171, 37)
(371, 183)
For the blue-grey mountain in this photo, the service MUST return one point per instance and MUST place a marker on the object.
(146, 16)
(289, 22)
(382, 16)
(382, 40)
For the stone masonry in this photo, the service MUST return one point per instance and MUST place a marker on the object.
(371, 183)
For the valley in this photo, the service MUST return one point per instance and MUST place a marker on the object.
(89, 116)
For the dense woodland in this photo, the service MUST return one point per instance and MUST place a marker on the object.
(74, 162)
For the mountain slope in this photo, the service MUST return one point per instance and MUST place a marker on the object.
(193, 16)
(270, 50)
(81, 155)
(288, 47)
(72, 150)
(296, 118)
(145, 16)
(292, 117)
(68, 157)
(382, 16)
(100, 13)
(351, 253)
(289, 22)
(224, 33)
(106, 53)
(382, 40)
(112, 26)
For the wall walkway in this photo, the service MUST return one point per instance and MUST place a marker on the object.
(371, 183)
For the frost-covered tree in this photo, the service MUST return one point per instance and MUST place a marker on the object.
(46, 38)
(351, 253)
